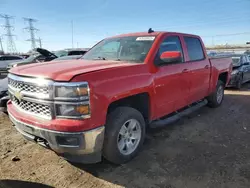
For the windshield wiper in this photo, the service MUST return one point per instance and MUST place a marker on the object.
(100, 58)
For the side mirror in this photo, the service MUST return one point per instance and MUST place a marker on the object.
(171, 57)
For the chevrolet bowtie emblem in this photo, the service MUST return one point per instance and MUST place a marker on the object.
(18, 95)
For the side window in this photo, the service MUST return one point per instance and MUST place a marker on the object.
(8, 58)
(13, 58)
(194, 48)
(4, 58)
(171, 43)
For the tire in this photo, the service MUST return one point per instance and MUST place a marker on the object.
(120, 117)
(239, 83)
(214, 100)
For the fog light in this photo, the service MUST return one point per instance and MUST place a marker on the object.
(67, 141)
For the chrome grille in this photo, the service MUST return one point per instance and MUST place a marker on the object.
(28, 87)
(31, 107)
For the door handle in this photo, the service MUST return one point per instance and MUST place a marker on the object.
(206, 67)
(185, 70)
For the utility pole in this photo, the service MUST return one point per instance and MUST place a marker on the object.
(11, 47)
(31, 29)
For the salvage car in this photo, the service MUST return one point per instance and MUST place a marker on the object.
(39, 55)
(68, 57)
(5, 60)
(241, 70)
(43, 55)
(4, 97)
(102, 104)
(71, 51)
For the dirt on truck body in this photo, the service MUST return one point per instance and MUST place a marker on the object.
(209, 148)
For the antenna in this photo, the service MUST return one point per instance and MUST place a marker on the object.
(31, 29)
(150, 30)
(11, 47)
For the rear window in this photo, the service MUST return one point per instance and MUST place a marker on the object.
(195, 50)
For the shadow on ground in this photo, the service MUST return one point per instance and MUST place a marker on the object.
(21, 184)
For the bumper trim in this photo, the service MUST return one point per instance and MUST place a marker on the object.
(88, 150)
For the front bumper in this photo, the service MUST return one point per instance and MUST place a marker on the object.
(80, 147)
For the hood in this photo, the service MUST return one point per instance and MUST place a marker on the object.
(4, 64)
(66, 70)
(45, 52)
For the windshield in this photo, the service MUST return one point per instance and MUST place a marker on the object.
(132, 48)
(236, 61)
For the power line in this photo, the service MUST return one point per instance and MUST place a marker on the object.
(31, 29)
(11, 47)
(231, 34)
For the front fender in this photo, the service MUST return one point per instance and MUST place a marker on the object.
(107, 86)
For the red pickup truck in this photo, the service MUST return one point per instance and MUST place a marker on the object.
(102, 104)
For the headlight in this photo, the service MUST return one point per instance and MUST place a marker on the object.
(235, 72)
(72, 110)
(74, 99)
(72, 90)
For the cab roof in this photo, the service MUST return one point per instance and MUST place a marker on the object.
(155, 33)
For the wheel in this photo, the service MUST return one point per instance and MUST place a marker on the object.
(239, 83)
(216, 98)
(124, 135)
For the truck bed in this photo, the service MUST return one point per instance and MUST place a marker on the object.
(220, 65)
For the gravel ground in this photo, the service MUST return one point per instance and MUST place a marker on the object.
(209, 148)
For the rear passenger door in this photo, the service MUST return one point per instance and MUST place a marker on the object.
(199, 69)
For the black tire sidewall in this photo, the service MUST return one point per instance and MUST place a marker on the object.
(212, 99)
(218, 86)
(115, 121)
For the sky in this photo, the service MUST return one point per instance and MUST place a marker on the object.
(217, 22)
